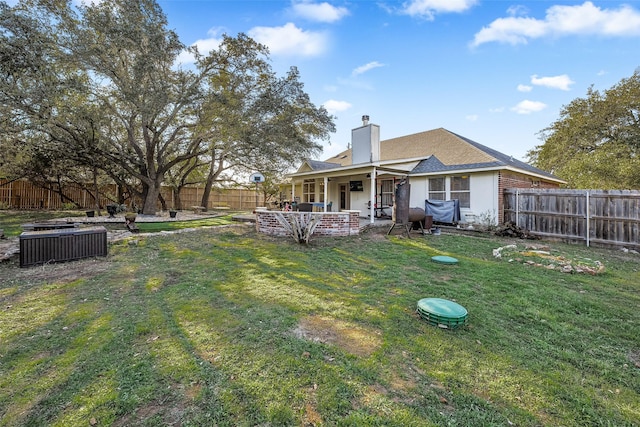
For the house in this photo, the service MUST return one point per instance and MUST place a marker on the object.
(438, 164)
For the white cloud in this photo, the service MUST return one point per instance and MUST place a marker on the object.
(290, 40)
(556, 82)
(518, 10)
(334, 106)
(528, 107)
(524, 88)
(321, 12)
(364, 68)
(472, 117)
(584, 19)
(496, 110)
(204, 46)
(429, 8)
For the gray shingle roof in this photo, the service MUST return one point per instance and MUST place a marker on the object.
(317, 165)
(504, 160)
(443, 151)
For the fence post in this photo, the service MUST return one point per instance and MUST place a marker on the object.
(588, 219)
(517, 208)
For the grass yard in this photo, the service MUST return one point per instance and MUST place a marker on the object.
(11, 221)
(225, 327)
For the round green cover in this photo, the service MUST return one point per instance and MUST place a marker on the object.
(442, 307)
(443, 259)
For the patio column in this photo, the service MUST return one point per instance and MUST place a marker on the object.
(372, 195)
(293, 191)
(326, 192)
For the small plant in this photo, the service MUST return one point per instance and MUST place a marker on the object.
(69, 206)
(4, 206)
(488, 220)
(300, 226)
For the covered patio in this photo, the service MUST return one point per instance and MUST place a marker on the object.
(330, 187)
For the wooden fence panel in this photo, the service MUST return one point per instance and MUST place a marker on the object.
(609, 217)
(23, 194)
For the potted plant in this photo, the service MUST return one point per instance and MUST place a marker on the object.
(130, 217)
(90, 214)
(130, 221)
(173, 213)
(112, 209)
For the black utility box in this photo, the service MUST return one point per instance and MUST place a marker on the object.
(41, 247)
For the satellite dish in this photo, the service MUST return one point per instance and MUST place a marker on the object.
(256, 178)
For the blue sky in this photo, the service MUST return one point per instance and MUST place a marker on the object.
(497, 72)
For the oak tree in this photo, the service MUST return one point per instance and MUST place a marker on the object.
(596, 141)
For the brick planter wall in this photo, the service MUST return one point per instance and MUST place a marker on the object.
(338, 224)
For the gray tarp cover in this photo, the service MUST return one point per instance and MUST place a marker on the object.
(444, 211)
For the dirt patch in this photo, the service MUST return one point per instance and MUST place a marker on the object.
(634, 358)
(64, 272)
(352, 338)
(142, 414)
(310, 416)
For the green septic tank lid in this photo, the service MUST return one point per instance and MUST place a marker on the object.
(443, 259)
(442, 312)
(442, 307)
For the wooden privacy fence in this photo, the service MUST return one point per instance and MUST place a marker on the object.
(23, 194)
(610, 217)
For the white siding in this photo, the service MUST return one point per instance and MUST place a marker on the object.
(484, 195)
(483, 189)
(418, 192)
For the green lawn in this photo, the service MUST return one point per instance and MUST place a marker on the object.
(11, 221)
(225, 327)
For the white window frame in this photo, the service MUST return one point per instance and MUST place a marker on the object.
(462, 194)
(309, 190)
(437, 194)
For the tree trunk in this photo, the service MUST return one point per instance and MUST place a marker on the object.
(206, 194)
(95, 187)
(177, 200)
(152, 191)
(163, 202)
(208, 185)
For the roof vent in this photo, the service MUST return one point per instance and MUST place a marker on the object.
(365, 120)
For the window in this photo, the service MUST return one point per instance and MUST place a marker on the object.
(386, 192)
(321, 191)
(437, 190)
(460, 190)
(309, 190)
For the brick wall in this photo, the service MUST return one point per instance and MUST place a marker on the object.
(515, 180)
(338, 224)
